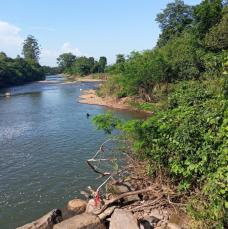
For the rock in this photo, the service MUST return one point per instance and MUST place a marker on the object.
(85, 221)
(7, 94)
(107, 212)
(77, 205)
(91, 208)
(123, 220)
(152, 219)
(46, 222)
(145, 224)
(173, 226)
(156, 214)
(119, 189)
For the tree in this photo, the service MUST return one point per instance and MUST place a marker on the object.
(81, 66)
(173, 20)
(217, 38)
(31, 49)
(103, 62)
(120, 59)
(65, 61)
(206, 15)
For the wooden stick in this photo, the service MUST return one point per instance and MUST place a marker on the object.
(122, 196)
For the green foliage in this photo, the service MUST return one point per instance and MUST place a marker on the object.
(217, 37)
(51, 70)
(107, 122)
(82, 66)
(18, 71)
(188, 140)
(31, 49)
(206, 15)
(173, 20)
(68, 63)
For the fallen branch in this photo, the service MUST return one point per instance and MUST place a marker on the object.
(147, 204)
(122, 196)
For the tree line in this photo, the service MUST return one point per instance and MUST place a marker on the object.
(79, 66)
(192, 41)
(19, 70)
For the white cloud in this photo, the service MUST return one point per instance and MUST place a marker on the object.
(9, 37)
(66, 48)
(48, 57)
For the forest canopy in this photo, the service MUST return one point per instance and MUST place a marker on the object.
(19, 70)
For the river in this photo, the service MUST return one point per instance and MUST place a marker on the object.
(45, 138)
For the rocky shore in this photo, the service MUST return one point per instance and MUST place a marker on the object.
(130, 212)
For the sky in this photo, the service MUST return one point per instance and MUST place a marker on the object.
(83, 27)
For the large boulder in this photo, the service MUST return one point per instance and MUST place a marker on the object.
(119, 189)
(77, 205)
(123, 220)
(46, 222)
(85, 221)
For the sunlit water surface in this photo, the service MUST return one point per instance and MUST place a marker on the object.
(45, 138)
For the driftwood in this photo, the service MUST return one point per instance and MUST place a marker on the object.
(122, 196)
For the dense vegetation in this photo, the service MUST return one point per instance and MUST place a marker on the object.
(80, 66)
(184, 81)
(21, 70)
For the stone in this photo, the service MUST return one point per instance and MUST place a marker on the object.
(173, 226)
(145, 224)
(7, 94)
(107, 212)
(156, 214)
(121, 219)
(85, 221)
(77, 205)
(152, 219)
(119, 189)
(46, 222)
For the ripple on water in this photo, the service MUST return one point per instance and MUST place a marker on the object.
(45, 138)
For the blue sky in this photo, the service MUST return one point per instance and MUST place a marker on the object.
(84, 27)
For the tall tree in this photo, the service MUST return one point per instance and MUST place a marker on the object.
(31, 49)
(103, 62)
(65, 61)
(120, 59)
(207, 14)
(173, 20)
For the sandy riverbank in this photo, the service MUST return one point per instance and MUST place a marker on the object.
(90, 97)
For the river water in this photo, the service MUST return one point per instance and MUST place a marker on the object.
(45, 138)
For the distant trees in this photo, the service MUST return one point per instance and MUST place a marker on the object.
(65, 62)
(31, 49)
(21, 70)
(70, 64)
(18, 71)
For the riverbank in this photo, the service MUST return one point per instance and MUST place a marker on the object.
(90, 97)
